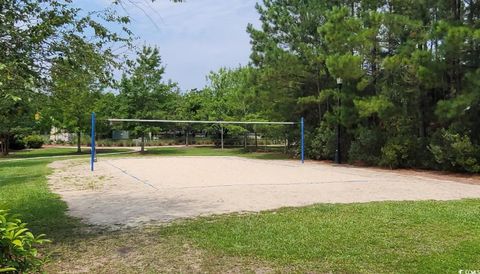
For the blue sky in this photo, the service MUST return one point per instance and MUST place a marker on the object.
(194, 37)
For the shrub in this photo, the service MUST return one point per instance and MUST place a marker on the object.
(34, 141)
(322, 145)
(366, 148)
(17, 245)
(453, 151)
(60, 142)
(17, 143)
(400, 151)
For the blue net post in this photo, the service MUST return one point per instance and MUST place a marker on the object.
(302, 145)
(92, 151)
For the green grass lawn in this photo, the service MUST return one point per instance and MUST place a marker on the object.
(23, 190)
(380, 237)
(55, 151)
(406, 237)
(272, 153)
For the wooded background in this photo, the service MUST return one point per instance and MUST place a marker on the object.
(410, 70)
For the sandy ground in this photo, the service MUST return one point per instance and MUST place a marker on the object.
(132, 191)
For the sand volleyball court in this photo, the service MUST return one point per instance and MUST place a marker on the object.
(132, 191)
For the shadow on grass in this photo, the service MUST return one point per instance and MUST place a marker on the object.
(24, 191)
(268, 156)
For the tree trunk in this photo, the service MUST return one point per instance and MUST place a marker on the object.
(222, 135)
(471, 13)
(457, 10)
(389, 36)
(319, 105)
(79, 148)
(7, 145)
(186, 137)
(374, 67)
(4, 145)
(142, 145)
(256, 141)
(422, 129)
(2, 150)
(245, 140)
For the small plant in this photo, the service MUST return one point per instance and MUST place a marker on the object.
(34, 141)
(17, 245)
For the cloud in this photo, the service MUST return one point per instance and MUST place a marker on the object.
(194, 37)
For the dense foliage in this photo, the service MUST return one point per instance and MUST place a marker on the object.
(409, 70)
(143, 94)
(18, 251)
(51, 55)
(34, 141)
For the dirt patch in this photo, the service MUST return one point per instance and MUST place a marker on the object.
(145, 250)
(69, 176)
(132, 191)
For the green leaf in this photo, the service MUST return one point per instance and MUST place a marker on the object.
(7, 269)
(19, 232)
(17, 242)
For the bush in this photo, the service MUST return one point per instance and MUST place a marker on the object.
(34, 141)
(455, 152)
(401, 151)
(17, 143)
(17, 245)
(322, 145)
(366, 148)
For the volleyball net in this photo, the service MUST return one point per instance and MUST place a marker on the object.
(149, 133)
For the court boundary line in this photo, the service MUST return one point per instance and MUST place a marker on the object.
(145, 182)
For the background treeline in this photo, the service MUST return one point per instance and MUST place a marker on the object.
(411, 80)
(410, 93)
(55, 61)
